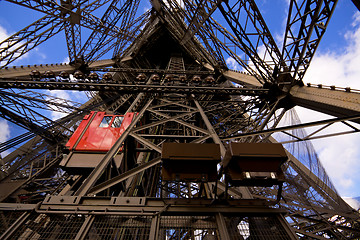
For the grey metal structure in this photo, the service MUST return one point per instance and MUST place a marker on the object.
(168, 65)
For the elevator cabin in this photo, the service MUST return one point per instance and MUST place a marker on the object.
(96, 134)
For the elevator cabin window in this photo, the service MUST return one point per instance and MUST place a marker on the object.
(106, 121)
(116, 123)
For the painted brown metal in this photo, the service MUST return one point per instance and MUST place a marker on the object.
(254, 164)
(190, 161)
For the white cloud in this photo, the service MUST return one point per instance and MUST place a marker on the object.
(341, 70)
(4, 134)
(66, 60)
(40, 54)
(356, 19)
(352, 202)
(3, 34)
(232, 64)
(339, 155)
(5, 131)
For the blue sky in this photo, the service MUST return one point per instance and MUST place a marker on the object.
(336, 63)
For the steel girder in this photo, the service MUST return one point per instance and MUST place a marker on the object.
(42, 101)
(332, 101)
(306, 24)
(342, 103)
(16, 141)
(28, 38)
(25, 71)
(125, 12)
(58, 18)
(73, 38)
(252, 33)
(310, 136)
(128, 88)
(147, 226)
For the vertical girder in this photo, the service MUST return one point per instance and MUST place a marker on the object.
(118, 10)
(252, 33)
(73, 38)
(306, 24)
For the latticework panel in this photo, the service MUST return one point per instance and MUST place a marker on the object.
(188, 227)
(7, 218)
(44, 226)
(120, 227)
(255, 228)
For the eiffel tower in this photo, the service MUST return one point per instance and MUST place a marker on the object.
(172, 143)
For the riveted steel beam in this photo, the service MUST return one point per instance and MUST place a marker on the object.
(333, 102)
(85, 85)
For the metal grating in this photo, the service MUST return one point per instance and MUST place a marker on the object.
(120, 227)
(43, 226)
(7, 218)
(256, 228)
(188, 227)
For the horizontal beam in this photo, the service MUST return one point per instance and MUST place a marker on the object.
(153, 136)
(242, 78)
(333, 102)
(24, 71)
(133, 205)
(126, 88)
(150, 71)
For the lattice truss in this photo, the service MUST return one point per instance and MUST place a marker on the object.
(168, 64)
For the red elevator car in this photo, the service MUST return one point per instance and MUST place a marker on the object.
(95, 135)
(99, 131)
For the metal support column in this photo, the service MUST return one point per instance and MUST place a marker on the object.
(220, 221)
(154, 228)
(85, 227)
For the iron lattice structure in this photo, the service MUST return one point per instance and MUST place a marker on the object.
(169, 65)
